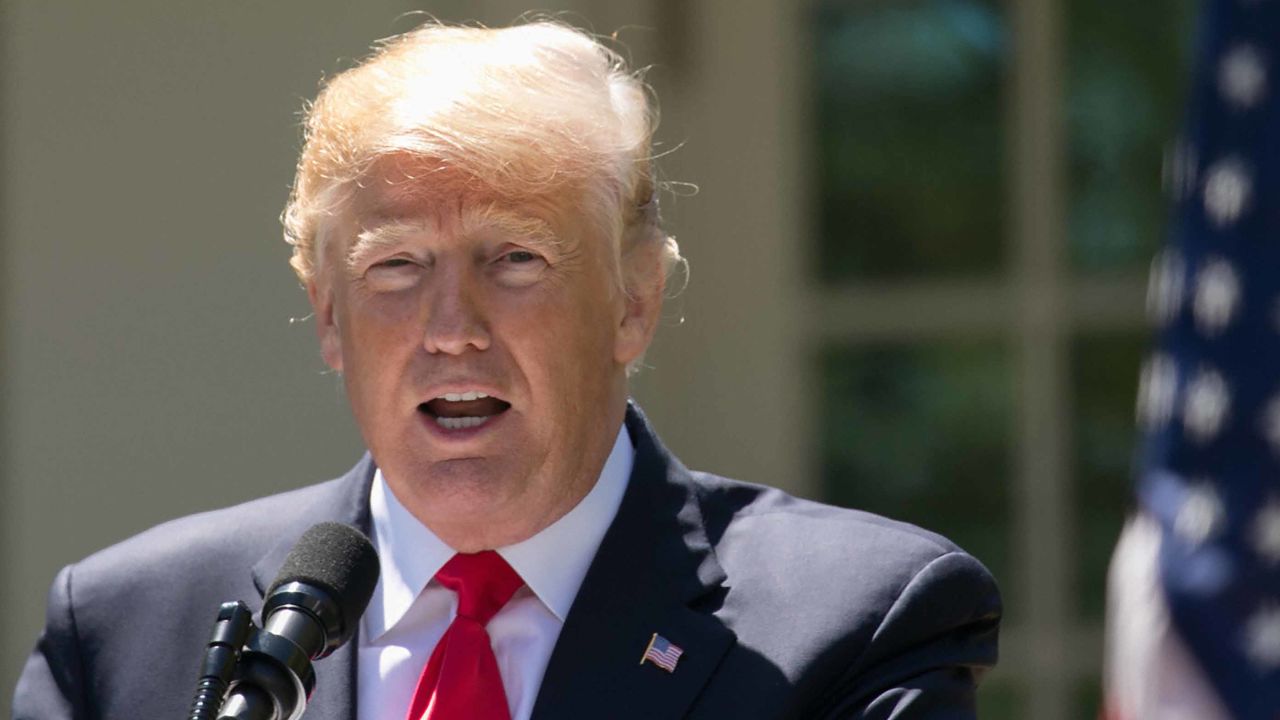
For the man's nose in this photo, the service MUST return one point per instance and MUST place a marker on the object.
(455, 321)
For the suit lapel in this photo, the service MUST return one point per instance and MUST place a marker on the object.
(653, 570)
(344, 501)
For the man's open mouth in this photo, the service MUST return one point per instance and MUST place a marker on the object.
(459, 411)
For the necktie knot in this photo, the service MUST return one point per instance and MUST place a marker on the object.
(483, 581)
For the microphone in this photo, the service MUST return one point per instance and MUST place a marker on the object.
(311, 609)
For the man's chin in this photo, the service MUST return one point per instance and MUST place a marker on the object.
(454, 475)
(460, 486)
(476, 515)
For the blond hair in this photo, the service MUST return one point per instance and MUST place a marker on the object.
(539, 113)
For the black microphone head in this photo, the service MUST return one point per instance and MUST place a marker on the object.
(339, 560)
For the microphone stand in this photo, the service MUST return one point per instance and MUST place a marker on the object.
(221, 656)
(252, 674)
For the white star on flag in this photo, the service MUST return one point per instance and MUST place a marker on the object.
(1206, 405)
(1266, 532)
(1164, 290)
(1217, 296)
(1242, 76)
(1262, 637)
(1201, 514)
(1226, 191)
(1157, 391)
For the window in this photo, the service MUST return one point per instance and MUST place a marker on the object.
(986, 212)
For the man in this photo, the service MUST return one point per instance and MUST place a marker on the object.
(474, 219)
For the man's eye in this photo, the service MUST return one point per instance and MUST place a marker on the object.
(520, 256)
(395, 262)
(519, 268)
(392, 274)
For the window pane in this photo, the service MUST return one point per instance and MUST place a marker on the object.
(1126, 68)
(1001, 699)
(920, 433)
(908, 155)
(1104, 382)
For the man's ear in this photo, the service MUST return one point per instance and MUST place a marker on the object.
(644, 282)
(320, 292)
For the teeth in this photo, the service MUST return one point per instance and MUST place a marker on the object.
(458, 423)
(468, 395)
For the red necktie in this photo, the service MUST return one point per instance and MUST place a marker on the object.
(461, 680)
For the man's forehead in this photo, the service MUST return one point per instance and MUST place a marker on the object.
(462, 213)
(398, 190)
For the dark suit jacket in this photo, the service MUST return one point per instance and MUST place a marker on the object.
(784, 608)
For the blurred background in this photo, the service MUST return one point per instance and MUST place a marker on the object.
(918, 252)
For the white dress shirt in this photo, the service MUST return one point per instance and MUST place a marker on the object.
(410, 610)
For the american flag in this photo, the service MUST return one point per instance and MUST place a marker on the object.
(1195, 593)
(662, 652)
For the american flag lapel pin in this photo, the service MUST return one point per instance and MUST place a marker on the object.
(662, 652)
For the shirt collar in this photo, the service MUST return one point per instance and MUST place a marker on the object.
(552, 563)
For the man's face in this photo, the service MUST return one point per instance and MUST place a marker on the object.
(484, 349)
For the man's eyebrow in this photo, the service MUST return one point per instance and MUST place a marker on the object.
(380, 237)
(531, 229)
